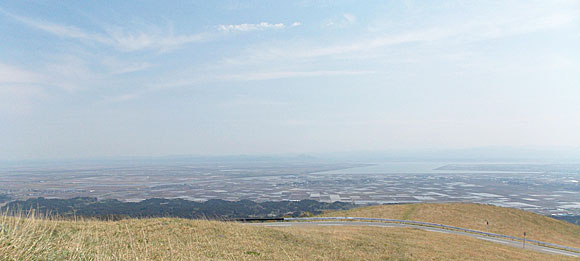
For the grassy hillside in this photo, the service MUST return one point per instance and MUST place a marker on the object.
(506, 221)
(180, 239)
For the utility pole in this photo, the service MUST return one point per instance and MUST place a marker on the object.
(524, 240)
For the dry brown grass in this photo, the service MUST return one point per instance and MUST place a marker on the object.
(178, 239)
(506, 221)
(380, 243)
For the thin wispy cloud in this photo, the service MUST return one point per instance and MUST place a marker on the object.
(291, 74)
(476, 30)
(69, 74)
(122, 97)
(249, 27)
(119, 38)
(72, 73)
(212, 78)
(247, 101)
(381, 73)
(343, 21)
(13, 75)
(122, 68)
(18, 89)
(153, 39)
(19, 99)
(350, 18)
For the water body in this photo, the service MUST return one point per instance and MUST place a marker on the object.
(392, 168)
(420, 168)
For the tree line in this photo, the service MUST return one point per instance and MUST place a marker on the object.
(160, 207)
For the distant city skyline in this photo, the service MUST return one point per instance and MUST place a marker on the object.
(149, 78)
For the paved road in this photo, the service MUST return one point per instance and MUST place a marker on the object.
(432, 229)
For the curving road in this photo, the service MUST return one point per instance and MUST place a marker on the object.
(508, 242)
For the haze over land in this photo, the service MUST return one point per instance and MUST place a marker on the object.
(300, 130)
(241, 77)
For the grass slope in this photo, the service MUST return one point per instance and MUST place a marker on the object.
(502, 220)
(181, 239)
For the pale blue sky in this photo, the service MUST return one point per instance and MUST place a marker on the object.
(139, 78)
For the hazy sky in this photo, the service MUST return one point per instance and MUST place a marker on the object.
(110, 78)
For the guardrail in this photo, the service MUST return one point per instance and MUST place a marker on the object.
(255, 219)
(419, 223)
